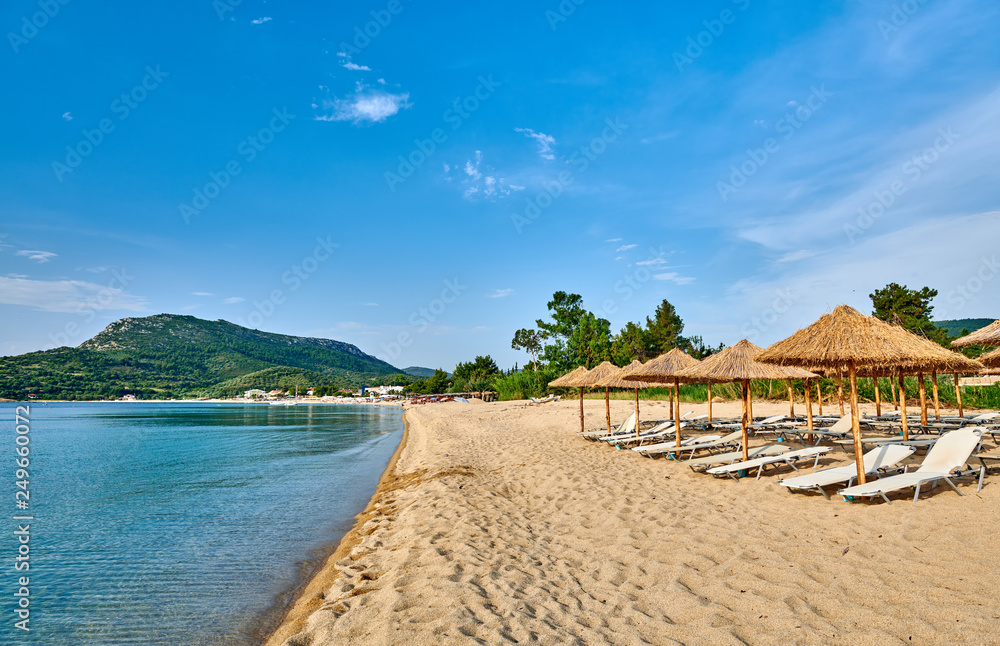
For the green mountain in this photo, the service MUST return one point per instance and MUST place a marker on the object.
(955, 327)
(169, 355)
(417, 371)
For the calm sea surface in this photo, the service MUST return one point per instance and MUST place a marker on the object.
(179, 523)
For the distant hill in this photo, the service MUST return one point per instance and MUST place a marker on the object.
(169, 355)
(955, 327)
(417, 371)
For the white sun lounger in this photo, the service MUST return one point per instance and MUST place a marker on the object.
(944, 461)
(628, 426)
(670, 447)
(878, 459)
(790, 458)
(736, 456)
(658, 432)
(841, 429)
(752, 426)
(695, 444)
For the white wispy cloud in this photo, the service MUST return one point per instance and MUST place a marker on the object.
(481, 181)
(651, 261)
(260, 21)
(66, 296)
(203, 293)
(370, 304)
(67, 116)
(544, 142)
(357, 68)
(674, 277)
(501, 293)
(613, 240)
(39, 256)
(232, 300)
(365, 105)
(796, 255)
(625, 247)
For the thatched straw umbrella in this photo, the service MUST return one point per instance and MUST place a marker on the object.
(991, 359)
(665, 369)
(617, 380)
(739, 363)
(989, 335)
(846, 338)
(931, 358)
(593, 379)
(574, 379)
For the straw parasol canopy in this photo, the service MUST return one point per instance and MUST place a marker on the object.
(846, 340)
(573, 379)
(739, 363)
(991, 359)
(665, 369)
(594, 377)
(989, 335)
(618, 380)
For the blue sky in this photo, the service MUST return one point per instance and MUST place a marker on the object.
(418, 178)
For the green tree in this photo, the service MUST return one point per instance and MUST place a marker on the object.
(528, 340)
(476, 370)
(632, 342)
(696, 347)
(590, 343)
(566, 311)
(908, 308)
(664, 329)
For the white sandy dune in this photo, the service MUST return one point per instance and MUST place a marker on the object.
(498, 525)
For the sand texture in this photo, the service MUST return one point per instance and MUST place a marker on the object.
(499, 525)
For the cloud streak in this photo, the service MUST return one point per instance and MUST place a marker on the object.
(66, 296)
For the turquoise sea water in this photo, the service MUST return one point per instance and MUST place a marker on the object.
(169, 523)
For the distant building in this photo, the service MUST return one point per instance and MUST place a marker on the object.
(254, 394)
(128, 398)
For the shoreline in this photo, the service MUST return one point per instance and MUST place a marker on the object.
(499, 521)
(310, 595)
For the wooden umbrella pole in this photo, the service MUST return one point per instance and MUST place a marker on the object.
(840, 393)
(958, 396)
(637, 412)
(746, 414)
(750, 403)
(791, 399)
(937, 403)
(819, 397)
(710, 400)
(677, 412)
(607, 408)
(581, 409)
(671, 394)
(878, 398)
(892, 391)
(855, 426)
(922, 389)
(902, 407)
(809, 410)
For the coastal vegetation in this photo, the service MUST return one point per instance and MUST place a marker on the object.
(572, 336)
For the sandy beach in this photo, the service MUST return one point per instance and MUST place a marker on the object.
(496, 523)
